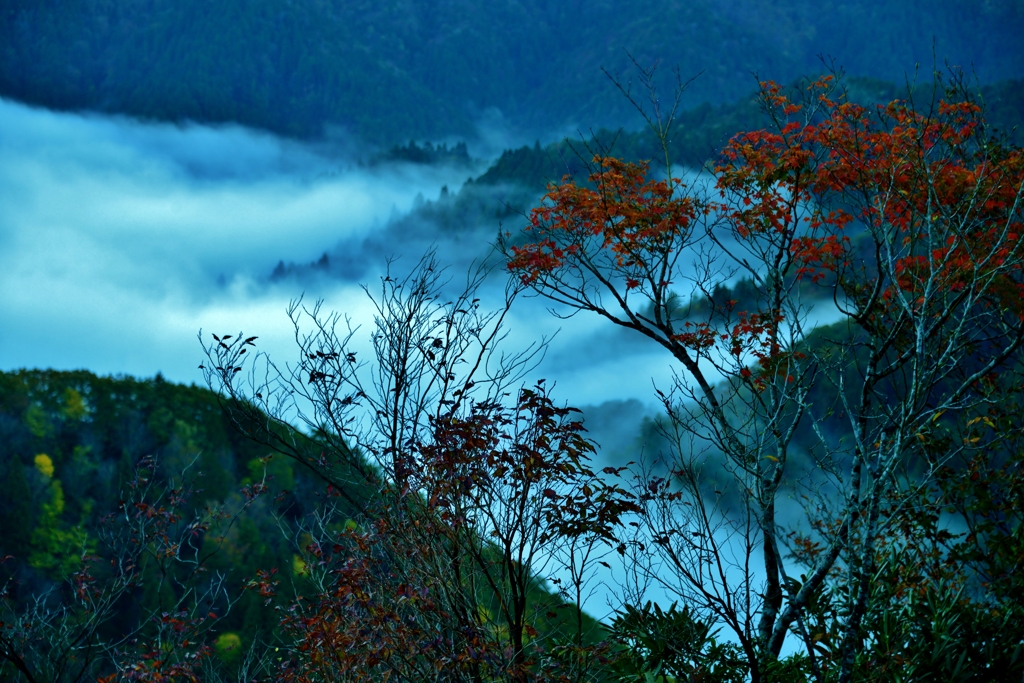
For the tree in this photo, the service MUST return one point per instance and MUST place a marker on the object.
(903, 223)
(843, 299)
(475, 491)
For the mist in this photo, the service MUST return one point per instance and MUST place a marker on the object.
(120, 240)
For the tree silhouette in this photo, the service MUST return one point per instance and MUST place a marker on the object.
(900, 223)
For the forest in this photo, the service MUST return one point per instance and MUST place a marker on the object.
(796, 224)
(822, 501)
(384, 72)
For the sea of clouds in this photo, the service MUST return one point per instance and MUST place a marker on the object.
(120, 240)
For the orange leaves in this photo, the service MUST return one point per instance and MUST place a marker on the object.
(844, 149)
(767, 175)
(931, 182)
(827, 164)
(818, 255)
(757, 334)
(701, 337)
(540, 257)
(900, 211)
(623, 215)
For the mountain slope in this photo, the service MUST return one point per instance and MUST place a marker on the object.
(388, 71)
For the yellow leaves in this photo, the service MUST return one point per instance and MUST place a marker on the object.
(980, 419)
(56, 548)
(44, 464)
(228, 646)
(74, 405)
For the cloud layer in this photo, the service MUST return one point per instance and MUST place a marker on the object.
(120, 240)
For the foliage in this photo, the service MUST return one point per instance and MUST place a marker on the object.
(428, 154)
(54, 549)
(906, 217)
(426, 514)
(77, 631)
(229, 647)
(948, 601)
(471, 501)
(673, 644)
(71, 448)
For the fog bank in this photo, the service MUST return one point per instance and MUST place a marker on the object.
(119, 240)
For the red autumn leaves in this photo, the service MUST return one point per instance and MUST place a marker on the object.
(626, 214)
(928, 184)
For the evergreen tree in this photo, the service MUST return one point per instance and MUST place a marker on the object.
(15, 511)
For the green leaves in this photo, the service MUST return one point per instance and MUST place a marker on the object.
(660, 645)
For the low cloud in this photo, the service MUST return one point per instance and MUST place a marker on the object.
(119, 240)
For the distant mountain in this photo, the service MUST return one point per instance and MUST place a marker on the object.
(390, 70)
(503, 194)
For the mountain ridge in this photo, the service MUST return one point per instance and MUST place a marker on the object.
(385, 72)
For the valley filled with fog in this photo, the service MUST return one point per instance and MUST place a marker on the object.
(781, 248)
(120, 240)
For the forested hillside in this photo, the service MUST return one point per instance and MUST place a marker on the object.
(698, 134)
(390, 71)
(70, 443)
(503, 193)
(135, 511)
(814, 252)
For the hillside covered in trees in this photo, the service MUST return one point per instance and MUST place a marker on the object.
(158, 497)
(70, 446)
(822, 276)
(386, 72)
